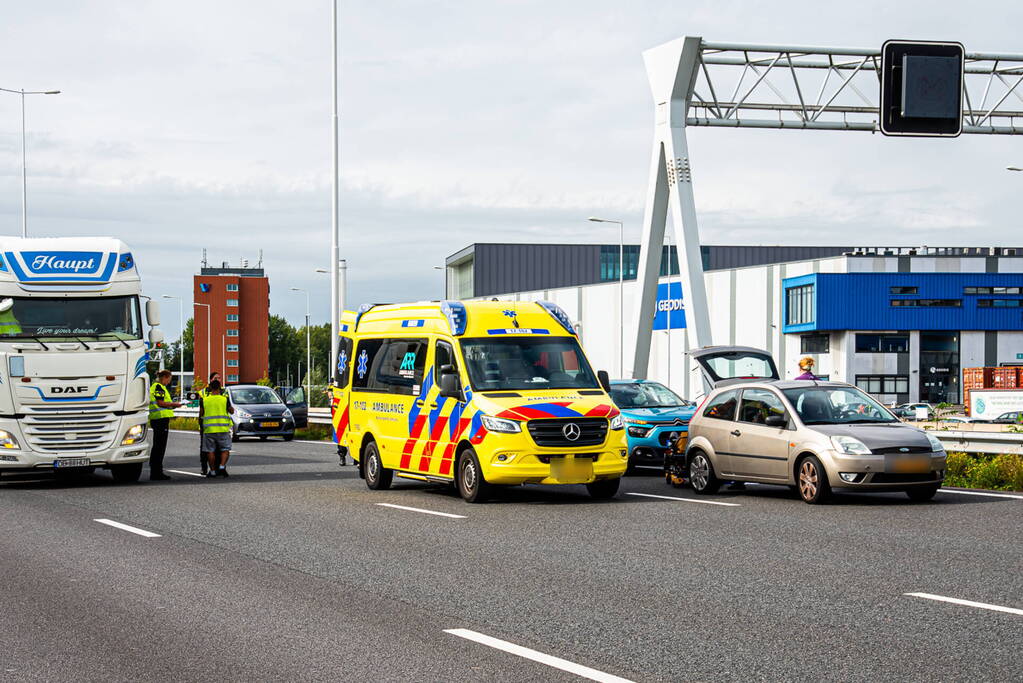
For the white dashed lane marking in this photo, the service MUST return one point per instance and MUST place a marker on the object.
(125, 527)
(425, 512)
(967, 603)
(686, 500)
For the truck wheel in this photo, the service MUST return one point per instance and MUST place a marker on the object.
(125, 474)
(471, 483)
(604, 489)
(378, 477)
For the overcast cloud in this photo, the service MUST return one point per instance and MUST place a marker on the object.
(207, 124)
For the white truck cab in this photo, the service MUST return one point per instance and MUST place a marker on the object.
(74, 392)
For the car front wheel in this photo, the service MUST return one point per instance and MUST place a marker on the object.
(701, 474)
(920, 494)
(813, 481)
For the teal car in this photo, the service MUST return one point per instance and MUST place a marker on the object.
(653, 416)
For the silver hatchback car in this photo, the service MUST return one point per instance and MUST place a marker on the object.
(812, 436)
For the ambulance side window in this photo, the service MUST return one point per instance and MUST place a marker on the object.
(366, 358)
(445, 355)
(344, 362)
(398, 366)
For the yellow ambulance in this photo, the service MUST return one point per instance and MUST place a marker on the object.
(474, 393)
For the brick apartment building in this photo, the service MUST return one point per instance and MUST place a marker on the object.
(238, 331)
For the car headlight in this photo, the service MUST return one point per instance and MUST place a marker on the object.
(7, 440)
(238, 412)
(936, 444)
(498, 424)
(639, 431)
(134, 435)
(287, 413)
(849, 445)
(617, 422)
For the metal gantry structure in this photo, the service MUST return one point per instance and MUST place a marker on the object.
(696, 83)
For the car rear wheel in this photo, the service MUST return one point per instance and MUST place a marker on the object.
(813, 481)
(701, 474)
(378, 477)
(604, 489)
(920, 494)
(471, 484)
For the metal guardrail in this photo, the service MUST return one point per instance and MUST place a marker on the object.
(981, 442)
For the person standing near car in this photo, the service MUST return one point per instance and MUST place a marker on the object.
(161, 410)
(215, 417)
(806, 365)
(203, 463)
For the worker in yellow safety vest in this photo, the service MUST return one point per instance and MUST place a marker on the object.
(9, 325)
(161, 410)
(215, 417)
(203, 465)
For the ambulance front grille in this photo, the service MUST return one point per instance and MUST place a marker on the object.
(551, 433)
(60, 430)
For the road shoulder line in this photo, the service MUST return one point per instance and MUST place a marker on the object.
(686, 500)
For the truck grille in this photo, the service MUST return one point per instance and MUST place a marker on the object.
(59, 430)
(550, 433)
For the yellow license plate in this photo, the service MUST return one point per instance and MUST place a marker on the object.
(572, 470)
(269, 424)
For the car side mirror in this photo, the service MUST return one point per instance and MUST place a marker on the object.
(605, 380)
(779, 421)
(449, 383)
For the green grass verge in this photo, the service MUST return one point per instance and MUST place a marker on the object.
(313, 432)
(976, 471)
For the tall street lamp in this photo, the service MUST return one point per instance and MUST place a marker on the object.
(308, 353)
(24, 173)
(209, 332)
(621, 291)
(336, 311)
(181, 347)
(337, 295)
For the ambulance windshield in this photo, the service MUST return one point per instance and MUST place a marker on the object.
(523, 363)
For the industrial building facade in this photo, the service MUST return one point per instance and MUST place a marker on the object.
(899, 322)
(231, 323)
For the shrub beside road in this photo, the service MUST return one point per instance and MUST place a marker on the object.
(977, 471)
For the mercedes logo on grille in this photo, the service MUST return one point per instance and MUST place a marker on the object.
(571, 431)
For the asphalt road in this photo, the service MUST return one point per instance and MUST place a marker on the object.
(292, 569)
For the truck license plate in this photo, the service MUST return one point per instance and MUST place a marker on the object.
(71, 462)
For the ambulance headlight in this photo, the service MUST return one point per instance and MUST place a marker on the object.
(7, 440)
(616, 422)
(134, 435)
(500, 425)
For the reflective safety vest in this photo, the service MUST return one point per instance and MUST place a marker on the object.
(158, 392)
(215, 417)
(8, 323)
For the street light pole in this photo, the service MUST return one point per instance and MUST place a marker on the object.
(181, 347)
(308, 352)
(336, 296)
(621, 291)
(209, 331)
(24, 170)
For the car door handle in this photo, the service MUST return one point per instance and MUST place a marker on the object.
(736, 432)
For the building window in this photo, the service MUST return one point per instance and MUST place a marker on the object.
(232, 378)
(815, 343)
(232, 333)
(999, 303)
(883, 384)
(610, 256)
(232, 317)
(929, 303)
(882, 343)
(232, 362)
(232, 302)
(232, 348)
(232, 288)
(992, 290)
(904, 290)
(799, 305)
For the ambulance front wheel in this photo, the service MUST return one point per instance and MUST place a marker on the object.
(378, 477)
(471, 484)
(604, 489)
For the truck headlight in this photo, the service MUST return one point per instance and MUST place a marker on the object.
(500, 425)
(936, 444)
(617, 422)
(7, 440)
(849, 445)
(134, 435)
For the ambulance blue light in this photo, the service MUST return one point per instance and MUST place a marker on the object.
(363, 309)
(558, 314)
(457, 317)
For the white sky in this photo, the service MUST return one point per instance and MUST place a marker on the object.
(207, 124)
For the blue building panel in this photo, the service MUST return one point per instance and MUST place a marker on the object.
(863, 301)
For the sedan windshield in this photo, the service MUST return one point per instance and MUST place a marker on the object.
(645, 395)
(821, 405)
(247, 396)
(521, 363)
(108, 316)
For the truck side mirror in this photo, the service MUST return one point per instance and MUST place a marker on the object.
(449, 383)
(153, 313)
(604, 379)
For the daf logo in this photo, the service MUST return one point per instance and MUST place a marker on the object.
(68, 390)
(571, 431)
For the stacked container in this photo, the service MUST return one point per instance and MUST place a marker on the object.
(990, 378)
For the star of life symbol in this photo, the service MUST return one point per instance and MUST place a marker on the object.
(363, 364)
(342, 362)
(511, 314)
